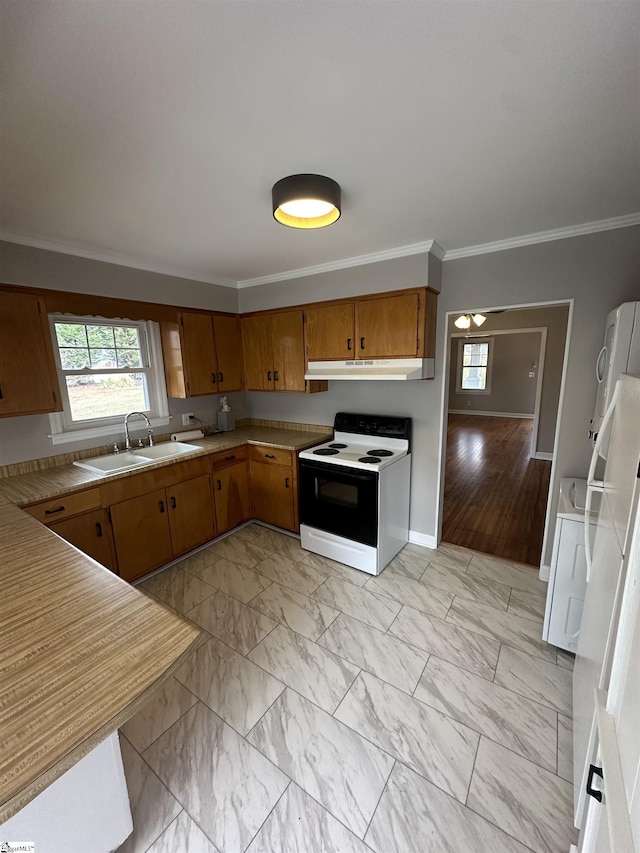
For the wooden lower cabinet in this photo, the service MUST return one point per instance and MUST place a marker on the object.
(190, 514)
(92, 534)
(142, 534)
(273, 494)
(231, 494)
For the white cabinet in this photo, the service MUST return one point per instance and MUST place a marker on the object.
(568, 576)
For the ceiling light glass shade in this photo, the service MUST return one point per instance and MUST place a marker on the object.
(306, 201)
(479, 319)
(463, 321)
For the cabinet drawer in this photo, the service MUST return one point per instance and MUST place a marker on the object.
(270, 454)
(65, 506)
(229, 457)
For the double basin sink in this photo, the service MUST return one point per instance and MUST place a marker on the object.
(114, 463)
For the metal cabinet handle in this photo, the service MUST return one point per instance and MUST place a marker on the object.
(219, 485)
(269, 456)
(1, 395)
(98, 530)
(220, 376)
(53, 511)
(213, 378)
(161, 506)
(268, 376)
(286, 482)
(349, 344)
(275, 375)
(173, 502)
(361, 343)
(594, 771)
(229, 458)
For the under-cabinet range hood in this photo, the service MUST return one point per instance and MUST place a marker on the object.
(372, 369)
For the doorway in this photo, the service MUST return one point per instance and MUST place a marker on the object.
(501, 409)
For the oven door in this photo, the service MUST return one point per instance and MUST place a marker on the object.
(339, 500)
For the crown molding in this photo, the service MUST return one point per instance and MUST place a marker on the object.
(113, 258)
(345, 263)
(545, 236)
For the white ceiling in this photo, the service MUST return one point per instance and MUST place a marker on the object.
(152, 131)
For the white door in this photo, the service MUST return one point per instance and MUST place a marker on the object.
(569, 584)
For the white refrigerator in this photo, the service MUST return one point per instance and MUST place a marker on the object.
(618, 518)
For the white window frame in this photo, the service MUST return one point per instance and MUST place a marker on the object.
(64, 430)
(474, 340)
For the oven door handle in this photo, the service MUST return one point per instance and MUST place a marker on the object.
(337, 471)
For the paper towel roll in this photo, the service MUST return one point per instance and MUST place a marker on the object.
(186, 436)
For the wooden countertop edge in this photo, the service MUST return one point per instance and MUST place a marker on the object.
(12, 806)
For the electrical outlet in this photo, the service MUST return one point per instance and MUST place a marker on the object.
(186, 419)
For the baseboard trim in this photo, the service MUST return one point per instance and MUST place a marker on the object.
(423, 539)
(540, 455)
(490, 414)
(544, 573)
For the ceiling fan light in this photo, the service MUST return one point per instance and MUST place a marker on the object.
(463, 321)
(479, 319)
(306, 201)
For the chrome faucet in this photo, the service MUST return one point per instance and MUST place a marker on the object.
(127, 443)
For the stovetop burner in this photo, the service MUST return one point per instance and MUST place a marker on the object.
(379, 452)
(338, 446)
(325, 451)
(369, 460)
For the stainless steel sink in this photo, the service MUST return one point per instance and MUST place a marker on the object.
(114, 463)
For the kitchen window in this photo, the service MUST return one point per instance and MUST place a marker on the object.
(475, 360)
(106, 368)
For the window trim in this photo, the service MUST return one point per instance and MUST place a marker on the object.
(474, 339)
(64, 430)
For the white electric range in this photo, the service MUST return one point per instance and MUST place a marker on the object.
(354, 491)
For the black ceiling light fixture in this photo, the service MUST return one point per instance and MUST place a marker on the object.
(306, 201)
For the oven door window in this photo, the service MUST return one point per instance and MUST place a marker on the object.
(340, 501)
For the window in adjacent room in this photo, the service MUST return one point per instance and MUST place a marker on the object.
(106, 368)
(474, 366)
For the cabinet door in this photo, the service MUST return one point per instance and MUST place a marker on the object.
(199, 354)
(258, 353)
(387, 327)
(28, 381)
(191, 513)
(569, 584)
(231, 492)
(141, 533)
(226, 331)
(272, 494)
(91, 533)
(329, 332)
(287, 335)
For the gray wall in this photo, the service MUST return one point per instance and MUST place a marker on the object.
(27, 437)
(597, 271)
(512, 389)
(554, 319)
(55, 271)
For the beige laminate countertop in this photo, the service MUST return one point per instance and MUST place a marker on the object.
(80, 649)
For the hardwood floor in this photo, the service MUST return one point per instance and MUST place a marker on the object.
(495, 496)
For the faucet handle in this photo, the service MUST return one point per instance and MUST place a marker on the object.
(150, 434)
(116, 449)
(140, 443)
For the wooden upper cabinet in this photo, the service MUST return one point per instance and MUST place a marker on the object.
(226, 332)
(258, 352)
(202, 354)
(388, 327)
(28, 379)
(330, 332)
(199, 354)
(287, 337)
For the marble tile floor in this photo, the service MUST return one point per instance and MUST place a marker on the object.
(326, 711)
